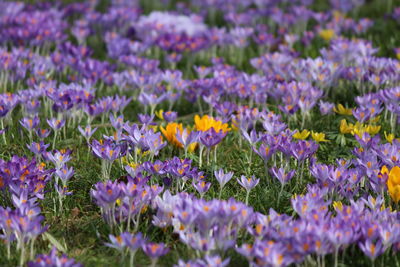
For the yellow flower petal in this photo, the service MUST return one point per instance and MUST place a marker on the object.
(327, 34)
(340, 109)
(301, 135)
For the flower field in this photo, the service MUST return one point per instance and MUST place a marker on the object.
(200, 133)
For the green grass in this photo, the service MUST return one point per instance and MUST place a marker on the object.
(82, 230)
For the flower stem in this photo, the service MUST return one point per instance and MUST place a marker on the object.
(247, 197)
(336, 256)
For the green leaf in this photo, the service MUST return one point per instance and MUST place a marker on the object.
(55, 242)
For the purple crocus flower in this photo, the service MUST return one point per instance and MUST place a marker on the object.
(38, 148)
(216, 261)
(186, 139)
(265, 151)
(117, 122)
(303, 149)
(56, 124)
(106, 150)
(170, 116)
(106, 193)
(223, 178)
(42, 133)
(146, 119)
(87, 132)
(281, 175)
(151, 99)
(126, 240)
(65, 173)
(58, 158)
(155, 250)
(211, 138)
(371, 249)
(202, 187)
(30, 123)
(248, 183)
(45, 260)
(326, 107)
(253, 138)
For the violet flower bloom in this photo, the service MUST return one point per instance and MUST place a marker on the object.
(45, 260)
(155, 250)
(38, 148)
(56, 124)
(201, 218)
(146, 119)
(42, 133)
(303, 149)
(186, 138)
(202, 187)
(265, 151)
(105, 196)
(58, 158)
(62, 192)
(106, 150)
(170, 115)
(248, 184)
(362, 114)
(65, 173)
(253, 138)
(281, 175)
(30, 123)
(326, 107)
(216, 261)
(117, 122)
(211, 138)
(202, 71)
(126, 240)
(222, 178)
(87, 132)
(151, 99)
(155, 143)
(32, 107)
(371, 249)
(117, 242)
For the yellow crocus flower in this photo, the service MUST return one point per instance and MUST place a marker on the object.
(393, 183)
(159, 114)
(233, 125)
(375, 120)
(389, 137)
(358, 129)
(327, 34)
(206, 122)
(170, 133)
(301, 135)
(192, 147)
(340, 109)
(338, 205)
(318, 137)
(384, 170)
(373, 129)
(345, 128)
(154, 127)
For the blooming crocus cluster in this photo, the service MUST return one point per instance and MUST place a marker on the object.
(289, 98)
(52, 259)
(22, 183)
(124, 202)
(203, 225)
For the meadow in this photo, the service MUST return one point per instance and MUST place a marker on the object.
(200, 133)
